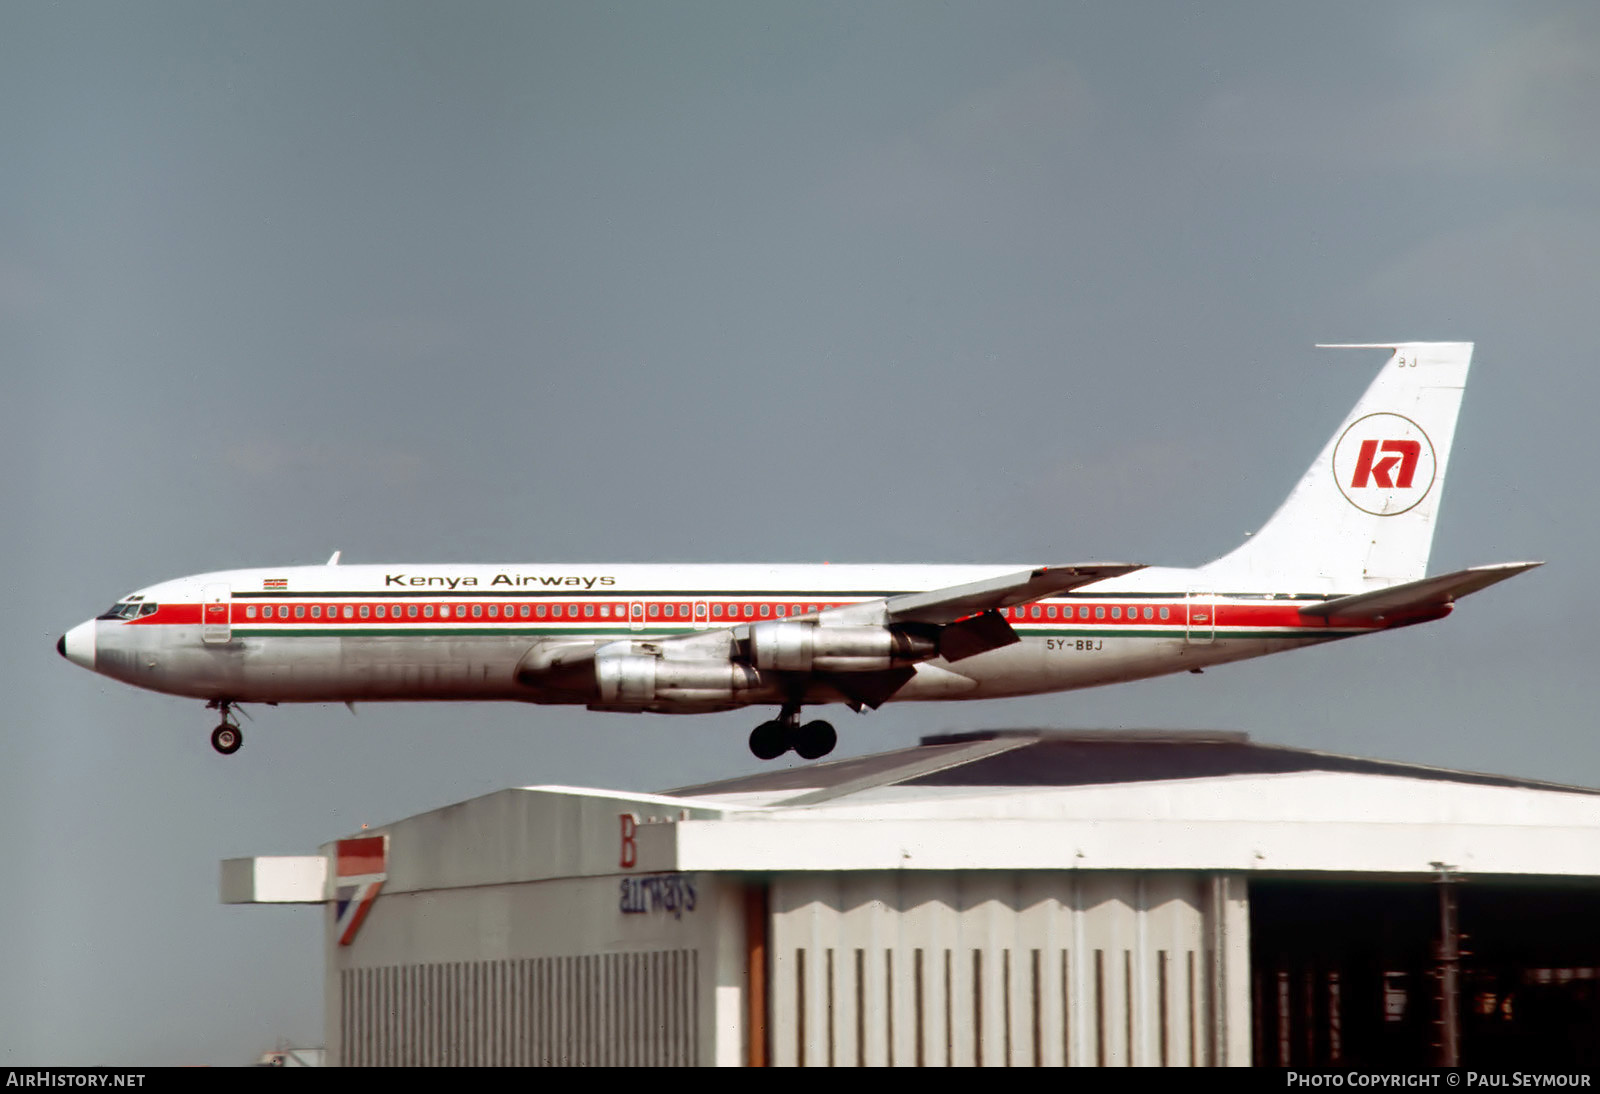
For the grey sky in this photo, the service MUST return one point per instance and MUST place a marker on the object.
(647, 282)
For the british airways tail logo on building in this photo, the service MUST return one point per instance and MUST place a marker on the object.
(1384, 464)
(361, 866)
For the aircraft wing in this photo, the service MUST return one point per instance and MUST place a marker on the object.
(959, 601)
(1418, 596)
(966, 618)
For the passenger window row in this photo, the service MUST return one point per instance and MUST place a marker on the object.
(611, 610)
(1117, 612)
(498, 611)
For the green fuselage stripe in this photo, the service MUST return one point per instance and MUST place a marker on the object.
(659, 632)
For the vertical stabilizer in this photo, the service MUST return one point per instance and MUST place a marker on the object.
(1362, 516)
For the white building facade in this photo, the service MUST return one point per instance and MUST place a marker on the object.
(1019, 899)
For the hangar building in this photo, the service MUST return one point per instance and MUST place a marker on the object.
(997, 898)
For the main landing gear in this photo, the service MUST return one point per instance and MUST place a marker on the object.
(811, 741)
(227, 737)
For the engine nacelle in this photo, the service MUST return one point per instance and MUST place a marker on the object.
(641, 680)
(788, 646)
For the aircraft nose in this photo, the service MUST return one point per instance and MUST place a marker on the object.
(77, 645)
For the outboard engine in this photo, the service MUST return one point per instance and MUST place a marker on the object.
(789, 646)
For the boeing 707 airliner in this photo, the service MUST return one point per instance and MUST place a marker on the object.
(1346, 554)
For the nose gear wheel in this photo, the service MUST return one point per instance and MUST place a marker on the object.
(227, 737)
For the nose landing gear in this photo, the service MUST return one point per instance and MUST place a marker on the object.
(227, 737)
(811, 741)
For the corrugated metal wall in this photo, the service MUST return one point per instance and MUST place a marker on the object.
(595, 1009)
(990, 968)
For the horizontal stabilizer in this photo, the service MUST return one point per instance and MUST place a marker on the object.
(1418, 596)
(959, 601)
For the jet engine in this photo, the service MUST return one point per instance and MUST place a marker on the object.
(643, 680)
(789, 646)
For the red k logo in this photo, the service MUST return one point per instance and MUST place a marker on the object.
(1382, 472)
(1384, 464)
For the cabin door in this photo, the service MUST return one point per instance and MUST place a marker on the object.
(1201, 608)
(215, 604)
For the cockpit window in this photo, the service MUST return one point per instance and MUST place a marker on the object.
(131, 609)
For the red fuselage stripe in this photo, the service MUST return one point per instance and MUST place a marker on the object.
(332, 612)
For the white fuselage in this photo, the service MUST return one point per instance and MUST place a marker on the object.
(458, 632)
(1346, 553)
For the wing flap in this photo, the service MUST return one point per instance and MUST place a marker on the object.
(947, 605)
(1418, 596)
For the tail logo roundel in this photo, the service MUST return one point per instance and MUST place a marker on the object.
(1384, 464)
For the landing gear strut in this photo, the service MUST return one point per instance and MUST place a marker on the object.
(811, 741)
(227, 737)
